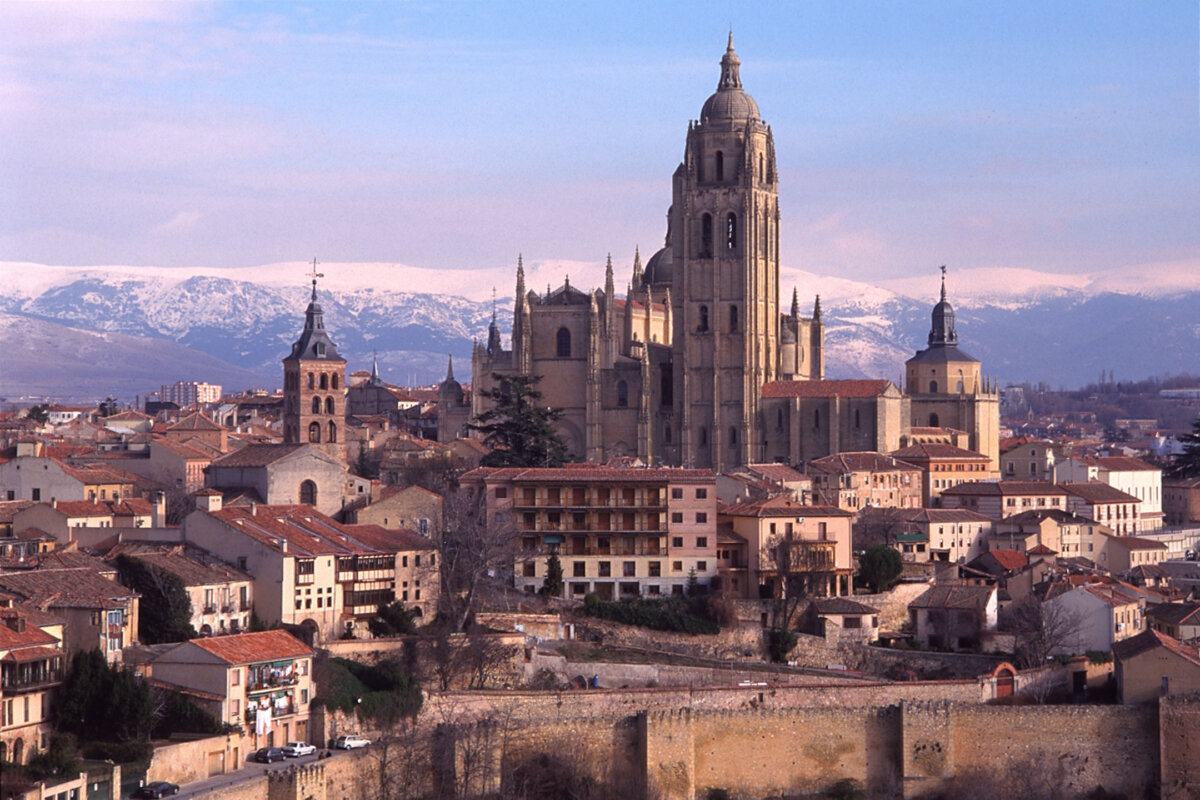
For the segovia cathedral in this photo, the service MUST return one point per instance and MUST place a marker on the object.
(697, 365)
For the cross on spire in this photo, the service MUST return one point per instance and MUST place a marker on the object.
(314, 275)
(943, 268)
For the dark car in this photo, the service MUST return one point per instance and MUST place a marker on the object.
(157, 789)
(265, 755)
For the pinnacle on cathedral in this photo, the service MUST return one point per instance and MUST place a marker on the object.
(730, 102)
(314, 342)
(942, 331)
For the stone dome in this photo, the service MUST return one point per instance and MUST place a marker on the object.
(730, 102)
(658, 268)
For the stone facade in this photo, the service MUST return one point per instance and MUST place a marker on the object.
(314, 388)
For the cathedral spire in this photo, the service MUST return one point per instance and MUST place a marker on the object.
(943, 282)
(942, 332)
(817, 309)
(637, 265)
(729, 68)
(795, 303)
(375, 368)
(449, 367)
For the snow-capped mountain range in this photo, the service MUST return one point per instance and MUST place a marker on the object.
(233, 326)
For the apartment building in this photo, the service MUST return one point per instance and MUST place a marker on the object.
(1000, 499)
(619, 532)
(260, 682)
(944, 465)
(310, 571)
(1118, 510)
(1130, 475)
(31, 667)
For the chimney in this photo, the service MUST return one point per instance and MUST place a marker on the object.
(159, 518)
(208, 500)
(54, 502)
(253, 509)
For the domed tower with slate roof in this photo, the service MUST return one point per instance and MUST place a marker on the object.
(947, 389)
(314, 386)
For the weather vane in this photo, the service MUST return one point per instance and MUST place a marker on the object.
(314, 274)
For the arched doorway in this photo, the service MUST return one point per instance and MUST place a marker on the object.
(1006, 679)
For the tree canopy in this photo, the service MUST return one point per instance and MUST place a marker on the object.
(1187, 463)
(518, 428)
(104, 703)
(165, 609)
(879, 567)
(392, 619)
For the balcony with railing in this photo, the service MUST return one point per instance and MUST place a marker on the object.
(31, 675)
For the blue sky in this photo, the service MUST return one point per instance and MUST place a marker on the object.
(1062, 137)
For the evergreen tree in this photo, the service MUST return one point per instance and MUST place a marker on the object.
(166, 608)
(99, 702)
(1187, 463)
(392, 620)
(879, 567)
(39, 414)
(518, 428)
(552, 585)
(107, 407)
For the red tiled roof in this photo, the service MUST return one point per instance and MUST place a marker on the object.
(1176, 613)
(953, 597)
(184, 449)
(592, 472)
(195, 422)
(252, 648)
(1004, 488)
(134, 506)
(943, 515)
(9, 508)
(1096, 492)
(1150, 639)
(819, 389)
(308, 532)
(260, 455)
(777, 472)
(932, 450)
(1009, 559)
(1137, 543)
(1041, 550)
(32, 636)
(33, 653)
(60, 588)
(781, 506)
(870, 461)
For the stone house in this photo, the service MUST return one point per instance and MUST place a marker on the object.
(944, 465)
(810, 419)
(222, 597)
(31, 667)
(854, 481)
(1122, 553)
(1029, 460)
(1106, 613)
(843, 619)
(261, 682)
(1178, 620)
(64, 519)
(1118, 510)
(1001, 499)
(954, 617)
(98, 612)
(1152, 665)
(1064, 532)
(956, 535)
(1181, 501)
(37, 477)
(820, 539)
(414, 508)
(283, 474)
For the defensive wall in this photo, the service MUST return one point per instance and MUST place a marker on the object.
(907, 750)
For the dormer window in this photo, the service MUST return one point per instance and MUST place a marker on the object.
(320, 349)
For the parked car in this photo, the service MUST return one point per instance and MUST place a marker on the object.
(156, 790)
(350, 742)
(297, 749)
(265, 755)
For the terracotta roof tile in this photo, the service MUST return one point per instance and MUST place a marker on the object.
(1150, 639)
(942, 515)
(841, 463)
(1096, 492)
(781, 506)
(60, 588)
(1005, 488)
(931, 450)
(259, 455)
(252, 648)
(593, 472)
(953, 597)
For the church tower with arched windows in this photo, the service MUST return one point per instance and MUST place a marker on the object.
(314, 387)
(947, 389)
(673, 372)
(724, 276)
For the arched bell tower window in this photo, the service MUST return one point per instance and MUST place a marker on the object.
(316, 405)
(333, 381)
(324, 381)
(703, 319)
(308, 493)
(720, 166)
(817, 419)
(731, 232)
(314, 433)
(703, 437)
(933, 421)
(732, 436)
(762, 169)
(332, 431)
(328, 405)
(311, 381)
(933, 387)
(733, 319)
(706, 236)
(564, 343)
(622, 394)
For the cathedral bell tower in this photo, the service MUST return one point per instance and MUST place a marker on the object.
(314, 386)
(724, 281)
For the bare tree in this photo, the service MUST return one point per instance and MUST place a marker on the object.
(475, 546)
(874, 526)
(792, 561)
(400, 762)
(1041, 627)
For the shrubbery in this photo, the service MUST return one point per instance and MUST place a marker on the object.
(689, 615)
(382, 693)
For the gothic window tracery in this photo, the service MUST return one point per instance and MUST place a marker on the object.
(332, 431)
(316, 405)
(308, 493)
(328, 405)
(314, 433)
(731, 232)
(324, 381)
(622, 394)
(706, 236)
(720, 166)
(703, 319)
(733, 319)
(563, 343)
